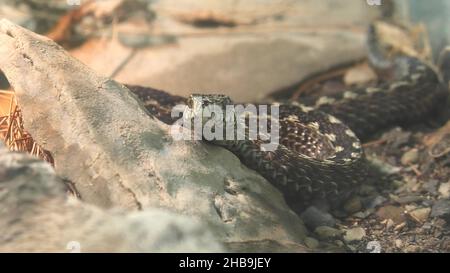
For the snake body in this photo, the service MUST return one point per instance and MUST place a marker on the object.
(320, 153)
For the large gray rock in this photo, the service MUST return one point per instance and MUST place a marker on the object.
(36, 215)
(245, 49)
(103, 140)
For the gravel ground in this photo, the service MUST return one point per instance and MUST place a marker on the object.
(404, 209)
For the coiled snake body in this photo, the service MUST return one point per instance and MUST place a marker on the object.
(320, 153)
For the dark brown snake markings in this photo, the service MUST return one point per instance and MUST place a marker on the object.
(320, 153)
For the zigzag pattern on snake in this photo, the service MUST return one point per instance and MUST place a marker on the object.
(320, 153)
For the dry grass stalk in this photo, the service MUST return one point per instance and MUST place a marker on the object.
(12, 131)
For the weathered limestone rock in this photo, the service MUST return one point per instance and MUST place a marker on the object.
(36, 215)
(103, 140)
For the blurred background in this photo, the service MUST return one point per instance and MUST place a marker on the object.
(247, 49)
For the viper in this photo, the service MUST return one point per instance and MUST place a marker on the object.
(320, 153)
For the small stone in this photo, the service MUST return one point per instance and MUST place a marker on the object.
(363, 214)
(445, 245)
(398, 183)
(431, 186)
(412, 249)
(367, 189)
(420, 215)
(407, 199)
(412, 184)
(397, 138)
(377, 232)
(389, 224)
(353, 205)
(441, 208)
(325, 232)
(400, 226)
(373, 202)
(354, 234)
(384, 167)
(314, 217)
(391, 212)
(398, 243)
(444, 190)
(339, 243)
(351, 248)
(410, 157)
(311, 243)
(410, 207)
(360, 215)
(427, 226)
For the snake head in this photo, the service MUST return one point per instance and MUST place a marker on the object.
(204, 105)
(198, 101)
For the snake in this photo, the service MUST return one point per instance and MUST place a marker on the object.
(320, 153)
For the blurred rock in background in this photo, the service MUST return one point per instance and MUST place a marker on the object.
(245, 49)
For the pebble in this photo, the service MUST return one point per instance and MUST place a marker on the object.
(325, 232)
(420, 215)
(412, 184)
(407, 199)
(444, 190)
(398, 243)
(352, 248)
(410, 157)
(398, 183)
(354, 234)
(385, 167)
(339, 243)
(353, 205)
(410, 207)
(397, 137)
(400, 226)
(314, 217)
(441, 208)
(367, 189)
(391, 212)
(431, 186)
(427, 226)
(412, 248)
(363, 214)
(373, 202)
(389, 224)
(311, 243)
